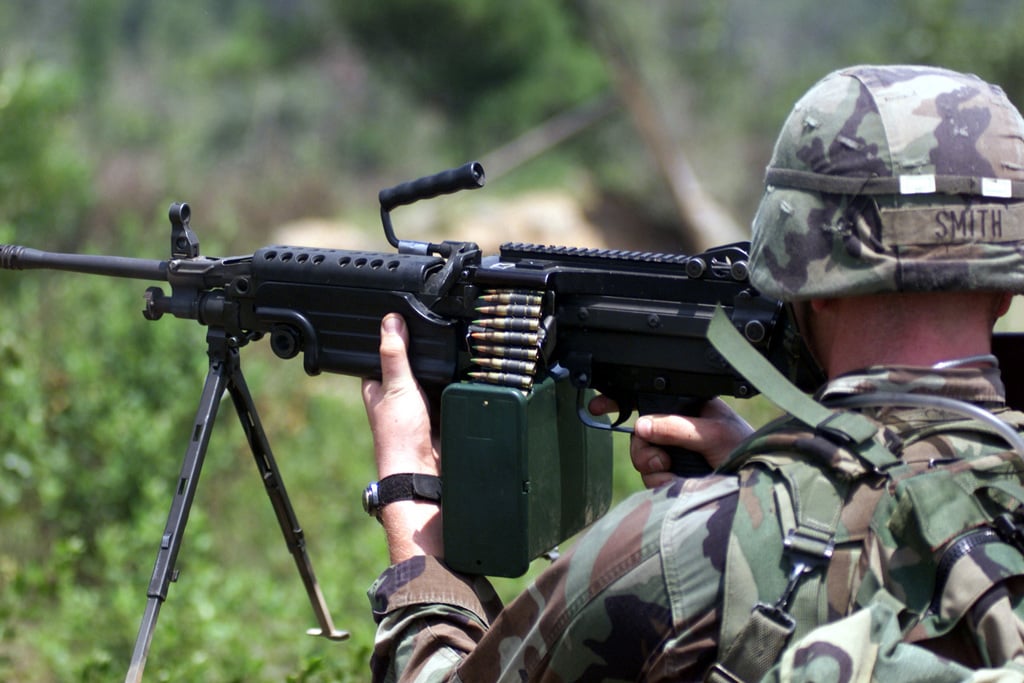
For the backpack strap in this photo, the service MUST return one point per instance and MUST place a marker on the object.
(809, 516)
(809, 507)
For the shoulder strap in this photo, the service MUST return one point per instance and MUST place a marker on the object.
(811, 527)
(842, 426)
(809, 507)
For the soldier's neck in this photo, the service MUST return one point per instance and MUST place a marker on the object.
(903, 329)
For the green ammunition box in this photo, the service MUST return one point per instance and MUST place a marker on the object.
(521, 473)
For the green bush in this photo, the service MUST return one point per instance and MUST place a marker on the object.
(43, 176)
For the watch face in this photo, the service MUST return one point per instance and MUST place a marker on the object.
(371, 499)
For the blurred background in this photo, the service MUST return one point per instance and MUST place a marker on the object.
(600, 123)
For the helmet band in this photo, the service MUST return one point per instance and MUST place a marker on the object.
(1002, 188)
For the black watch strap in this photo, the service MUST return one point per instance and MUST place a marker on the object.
(401, 487)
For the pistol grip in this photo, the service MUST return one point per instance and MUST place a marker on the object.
(687, 463)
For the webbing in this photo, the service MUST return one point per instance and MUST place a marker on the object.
(852, 429)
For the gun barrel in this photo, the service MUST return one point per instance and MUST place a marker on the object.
(14, 257)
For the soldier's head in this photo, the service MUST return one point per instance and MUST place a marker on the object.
(893, 179)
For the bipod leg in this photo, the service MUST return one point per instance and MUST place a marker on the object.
(181, 504)
(271, 475)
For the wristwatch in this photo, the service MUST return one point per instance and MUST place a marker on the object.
(397, 487)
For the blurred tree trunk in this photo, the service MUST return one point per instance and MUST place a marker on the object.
(703, 221)
(548, 134)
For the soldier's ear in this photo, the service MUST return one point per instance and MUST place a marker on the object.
(1003, 304)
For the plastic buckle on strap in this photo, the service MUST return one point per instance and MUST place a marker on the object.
(809, 546)
(756, 647)
(719, 674)
(776, 613)
(1010, 527)
(808, 550)
(846, 428)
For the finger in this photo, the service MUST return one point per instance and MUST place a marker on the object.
(646, 457)
(371, 390)
(692, 433)
(651, 461)
(602, 405)
(669, 430)
(653, 481)
(714, 435)
(394, 354)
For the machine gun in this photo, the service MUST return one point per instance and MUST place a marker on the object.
(510, 345)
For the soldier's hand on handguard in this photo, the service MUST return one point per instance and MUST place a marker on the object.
(399, 419)
(714, 434)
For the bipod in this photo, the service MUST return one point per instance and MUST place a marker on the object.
(225, 373)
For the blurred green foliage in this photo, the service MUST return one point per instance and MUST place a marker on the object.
(495, 69)
(44, 181)
(259, 112)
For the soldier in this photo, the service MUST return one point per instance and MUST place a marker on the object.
(887, 509)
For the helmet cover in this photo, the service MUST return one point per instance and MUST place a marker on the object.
(893, 179)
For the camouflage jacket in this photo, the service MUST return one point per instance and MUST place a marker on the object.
(639, 596)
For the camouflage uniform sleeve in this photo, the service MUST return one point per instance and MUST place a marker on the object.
(636, 598)
(428, 617)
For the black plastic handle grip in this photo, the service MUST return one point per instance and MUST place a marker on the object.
(466, 177)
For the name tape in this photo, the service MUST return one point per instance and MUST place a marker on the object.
(978, 223)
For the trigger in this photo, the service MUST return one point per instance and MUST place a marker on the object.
(624, 414)
(626, 405)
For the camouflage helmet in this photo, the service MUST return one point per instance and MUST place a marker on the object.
(893, 179)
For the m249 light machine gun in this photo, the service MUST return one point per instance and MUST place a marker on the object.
(509, 345)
